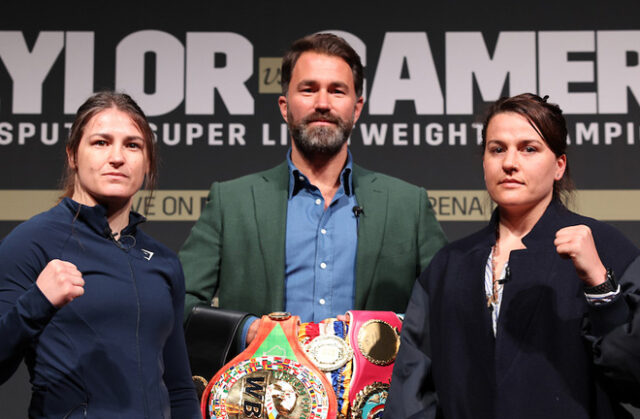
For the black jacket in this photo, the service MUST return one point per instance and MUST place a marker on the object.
(554, 355)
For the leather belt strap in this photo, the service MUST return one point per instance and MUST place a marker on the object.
(375, 339)
(272, 377)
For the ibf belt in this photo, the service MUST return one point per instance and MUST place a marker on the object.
(375, 339)
(271, 379)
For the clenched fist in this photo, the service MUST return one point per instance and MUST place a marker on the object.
(576, 243)
(60, 282)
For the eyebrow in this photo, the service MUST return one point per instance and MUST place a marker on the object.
(526, 140)
(333, 83)
(110, 137)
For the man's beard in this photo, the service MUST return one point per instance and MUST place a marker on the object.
(326, 140)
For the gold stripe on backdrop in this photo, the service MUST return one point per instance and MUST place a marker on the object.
(449, 205)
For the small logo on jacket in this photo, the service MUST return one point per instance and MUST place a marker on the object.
(148, 254)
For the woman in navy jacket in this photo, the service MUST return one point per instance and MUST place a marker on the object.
(523, 319)
(91, 303)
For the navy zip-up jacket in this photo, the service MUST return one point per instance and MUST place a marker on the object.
(116, 351)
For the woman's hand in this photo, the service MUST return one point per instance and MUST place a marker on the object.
(576, 243)
(60, 282)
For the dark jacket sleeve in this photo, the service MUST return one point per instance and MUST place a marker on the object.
(613, 331)
(177, 376)
(24, 310)
(412, 393)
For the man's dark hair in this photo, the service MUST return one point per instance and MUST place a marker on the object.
(322, 43)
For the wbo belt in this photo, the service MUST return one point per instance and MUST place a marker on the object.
(272, 378)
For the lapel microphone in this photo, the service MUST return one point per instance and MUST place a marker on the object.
(507, 276)
(357, 211)
(126, 242)
(109, 233)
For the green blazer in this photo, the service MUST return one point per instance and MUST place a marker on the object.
(236, 249)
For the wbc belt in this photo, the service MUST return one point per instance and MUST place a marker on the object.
(272, 378)
(375, 339)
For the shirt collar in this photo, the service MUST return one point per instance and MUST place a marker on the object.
(298, 180)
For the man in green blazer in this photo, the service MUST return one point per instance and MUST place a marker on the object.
(258, 235)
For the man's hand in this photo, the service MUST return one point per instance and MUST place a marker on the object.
(253, 331)
(60, 282)
(576, 243)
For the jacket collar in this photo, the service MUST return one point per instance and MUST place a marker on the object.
(373, 197)
(270, 192)
(545, 227)
(96, 217)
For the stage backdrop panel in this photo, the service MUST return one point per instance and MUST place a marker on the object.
(207, 75)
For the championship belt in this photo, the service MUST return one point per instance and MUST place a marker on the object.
(271, 379)
(327, 345)
(375, 339)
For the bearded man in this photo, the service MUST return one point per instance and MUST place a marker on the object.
(316, 235)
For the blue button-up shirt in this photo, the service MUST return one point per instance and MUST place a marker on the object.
(320, 248)
(320, 258)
